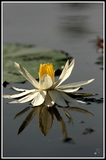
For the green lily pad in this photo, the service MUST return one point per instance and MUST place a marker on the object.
(30, 57)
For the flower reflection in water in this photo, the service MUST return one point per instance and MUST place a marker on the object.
(46, 116)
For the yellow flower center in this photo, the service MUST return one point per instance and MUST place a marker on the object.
(46, 69)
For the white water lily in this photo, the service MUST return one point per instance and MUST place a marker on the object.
(46, 91)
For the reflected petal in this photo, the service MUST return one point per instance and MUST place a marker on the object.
(45, 120)
(77, 109)
(29, 117)
(23, 111)
(83, 94)
(61, 122)
(68, 115)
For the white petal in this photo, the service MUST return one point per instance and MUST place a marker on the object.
(66, 74)
(62, 74)
(48, 101)
(22, 89)
(25, 99)
(18, 89)
(57, 98)
(81, 101)
(64, 70)
(46, 81)
(27, 75)
(39, 98)
(19, 95)
(67, 90)
(14, 101)
(76, 84)
(70, 99)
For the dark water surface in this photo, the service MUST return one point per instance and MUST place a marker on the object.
(68, 27)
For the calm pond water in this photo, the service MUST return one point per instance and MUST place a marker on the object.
(71, 28)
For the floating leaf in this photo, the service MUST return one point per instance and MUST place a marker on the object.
(28, 119)
(45, 119)
(23, 111)
(30, 58)
(77, 109)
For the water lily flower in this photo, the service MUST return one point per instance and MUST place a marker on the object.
(47, 91)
